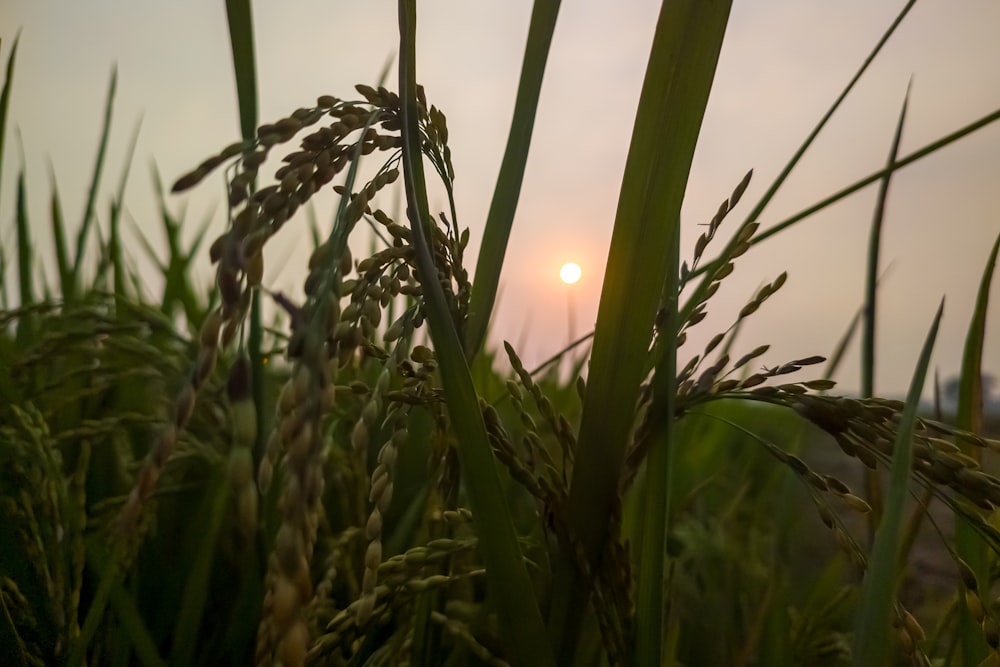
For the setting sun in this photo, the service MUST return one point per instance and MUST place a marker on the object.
(570, 273)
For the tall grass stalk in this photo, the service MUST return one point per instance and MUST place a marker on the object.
(870, 309)
(83, 235)
(239, 17)
(8, 84)
(517, 606)
(873, 622)
(679, 76)
(969, 415)
(500, 218)
(872, 268)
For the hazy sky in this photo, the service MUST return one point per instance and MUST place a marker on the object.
(782, 65)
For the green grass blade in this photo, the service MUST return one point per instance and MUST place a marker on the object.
(938, 412)
(115, 259)
(4, 103)
(66, 286)
(970, 392)
(134, 628)
(507, 577)
(500, 218)
(874, 250)
(102, 148)
(837, 356)
(671, 107)
(199, 238)
(105, 565)
(116, 256)
(240, 21)
(968, 544)
(840, 349)
(4, 298)
(873, 486)
(313, 221)
(177, 288)
(150, 251)
(25, 265)
(5, 96)
(650, 626)
(558, 356)
(25, 255)
(241, 39)
(192, 610)
(758, 209)
(873, 621)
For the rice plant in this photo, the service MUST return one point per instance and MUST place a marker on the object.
(361, 485)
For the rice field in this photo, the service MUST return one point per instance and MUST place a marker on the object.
(365, 481)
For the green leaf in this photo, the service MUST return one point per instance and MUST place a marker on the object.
(66, 285)
(4, 298)
(871, 277)
(650, 625)
(969, 546)
(240, 20)
(107, 569)
(193, 606)
(873, 621)
(872, 483)
(115, 253)
(508, 583)
(177, 271)
(500, 218)
(5, 96)
(25, 265)
(675, 91)
(970, 391)
(134, 628)
(88, 212)
(837, 356)
(25, 254)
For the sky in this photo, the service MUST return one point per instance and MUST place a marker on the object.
(782, 65)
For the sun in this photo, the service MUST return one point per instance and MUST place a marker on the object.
(570, 273)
